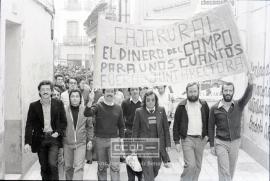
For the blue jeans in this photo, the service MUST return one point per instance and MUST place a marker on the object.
(48, 156)
(104, 159)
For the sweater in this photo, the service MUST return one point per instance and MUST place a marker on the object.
(129, 109)
(227, 125)
(109, 120)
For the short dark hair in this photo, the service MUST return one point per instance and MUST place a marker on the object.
(75, 90)
(103, 91)
(45, 82)
(129, 89)
(148, 93)
(57, 89)
(58, 75)
(227, 84)
(192, 84)
(81, 79)
(74, 78)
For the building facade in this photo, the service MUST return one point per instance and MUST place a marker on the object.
(114, 10)
(26, 59)
(71, 42)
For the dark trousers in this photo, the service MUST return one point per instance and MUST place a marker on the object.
(150, 168)
(132, 174)
(48, 156)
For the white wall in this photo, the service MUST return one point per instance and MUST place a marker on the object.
(31, 52)
(256, 121)
(37, 57)
(60, 24)
(2, 83)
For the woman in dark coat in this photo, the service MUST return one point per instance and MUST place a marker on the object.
(151, 122)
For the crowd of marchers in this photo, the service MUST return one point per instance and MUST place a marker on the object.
(72, 124)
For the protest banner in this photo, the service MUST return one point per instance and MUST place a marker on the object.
(206, 46)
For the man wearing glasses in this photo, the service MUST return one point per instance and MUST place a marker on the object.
(72, 85)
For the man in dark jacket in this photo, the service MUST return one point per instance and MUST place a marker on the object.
(129, 107)
(151, 122)
(45, 127)
(190, 125)
(225, 121)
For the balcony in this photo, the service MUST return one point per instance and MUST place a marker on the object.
(75, 40)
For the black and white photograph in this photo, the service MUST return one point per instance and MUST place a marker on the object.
(135, 90)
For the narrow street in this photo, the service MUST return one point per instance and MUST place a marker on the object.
(209, 169)
(76, 73)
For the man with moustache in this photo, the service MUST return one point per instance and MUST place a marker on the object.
(225, 128)
(129, 107)
(45, 127)
(190, 125)
(109, 124)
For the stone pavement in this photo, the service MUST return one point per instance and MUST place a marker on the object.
(247, 169)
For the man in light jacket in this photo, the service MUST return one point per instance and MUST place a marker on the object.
(79, 135)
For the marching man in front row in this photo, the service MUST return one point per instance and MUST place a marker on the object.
(190, 125)
(225, 121)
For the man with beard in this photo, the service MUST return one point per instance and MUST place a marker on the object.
(225, 123)
(190, 125)
(45, 127)
(109, 124)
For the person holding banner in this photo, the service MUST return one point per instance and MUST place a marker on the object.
(190, 124)
(150, 121)
(109, 124)
(225, 123)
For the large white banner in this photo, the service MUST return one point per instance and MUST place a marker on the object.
(206, 46)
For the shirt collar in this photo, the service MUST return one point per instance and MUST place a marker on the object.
(45, 103)
(221, 103)
(139, 100)
(151, 109)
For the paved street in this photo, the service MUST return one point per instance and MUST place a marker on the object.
(209, 169)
